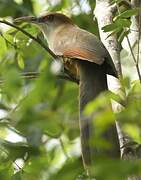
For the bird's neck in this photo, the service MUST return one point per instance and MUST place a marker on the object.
(51, 31)
(56, 34)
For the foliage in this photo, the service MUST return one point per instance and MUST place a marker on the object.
(43, 111)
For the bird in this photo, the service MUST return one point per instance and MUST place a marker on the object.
(87, 59)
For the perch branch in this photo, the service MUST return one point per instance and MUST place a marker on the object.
(30, 36)
(67, 76)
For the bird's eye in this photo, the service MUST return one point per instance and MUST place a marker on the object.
(49, 18)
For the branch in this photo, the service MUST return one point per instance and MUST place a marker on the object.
(135, 60)
(126, 147)
(40, 42)
(33, 75)
(139, 37)
(110, 43)
(67, 76)
(63, 148)
(133, 38)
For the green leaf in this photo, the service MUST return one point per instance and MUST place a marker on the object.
(3, 47)
(20, 61)
(118, 25)
(114, 32)
(123, 23)
(116, 169)
(36, 167)
(110, 27)
(17, 176)
(71, 170)
(133, 130)
(12, 83)
(128, 13)
(6, 170)
(122, 35)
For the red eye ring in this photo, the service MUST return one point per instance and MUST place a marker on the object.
(48, 18)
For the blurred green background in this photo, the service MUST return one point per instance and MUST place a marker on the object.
(39, 127)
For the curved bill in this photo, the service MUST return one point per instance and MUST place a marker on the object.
(30, 19)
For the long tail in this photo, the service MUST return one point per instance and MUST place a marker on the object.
(93, 81)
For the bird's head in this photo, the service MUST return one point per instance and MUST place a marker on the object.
(47, 22)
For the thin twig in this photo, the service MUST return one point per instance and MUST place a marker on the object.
(121, 134)
(39, 41)
(135, 61)
(24, 75)
(69, 78)
(30, 75)
(7, 153)
(33, 75)
(131, 49)
(7, 41)
(63, 148)
(138, 53)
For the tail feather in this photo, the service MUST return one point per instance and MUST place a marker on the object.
(92, 82)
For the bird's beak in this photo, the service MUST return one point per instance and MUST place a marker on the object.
(30, 19)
